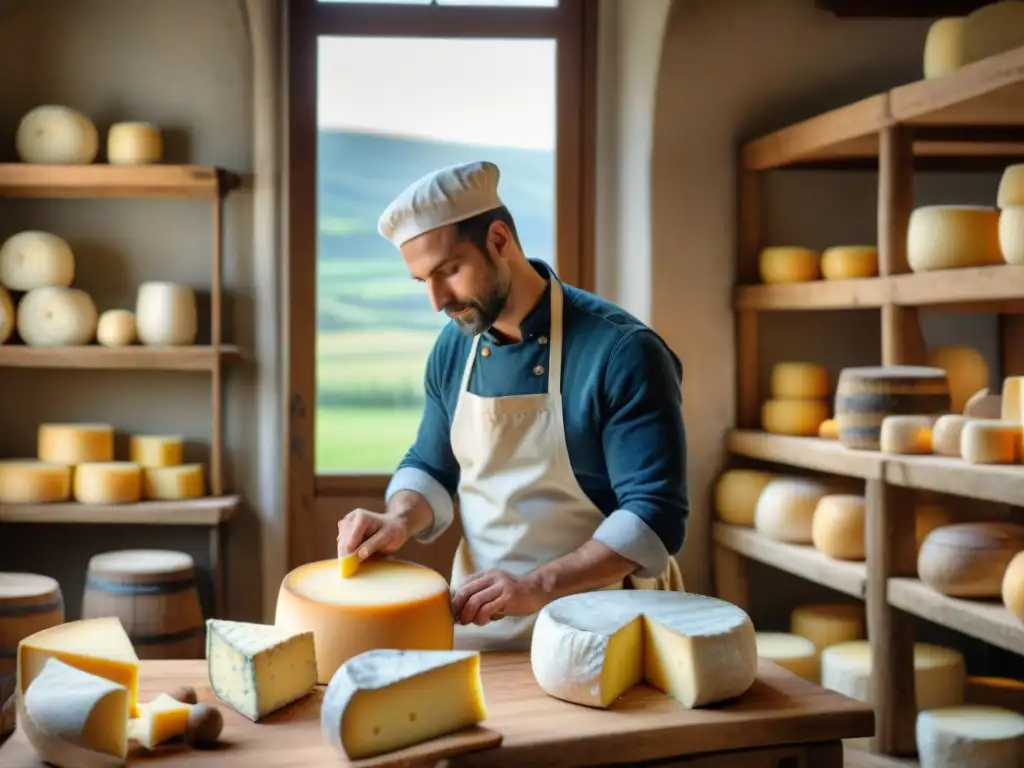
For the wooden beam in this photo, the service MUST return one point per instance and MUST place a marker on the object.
(859, 9)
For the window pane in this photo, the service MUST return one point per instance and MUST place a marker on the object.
(389, 111)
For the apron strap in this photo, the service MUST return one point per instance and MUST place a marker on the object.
(555, 339)
(469, 364)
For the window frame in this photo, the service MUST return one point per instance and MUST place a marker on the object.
(573, 24)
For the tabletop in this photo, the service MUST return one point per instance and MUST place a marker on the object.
(644, 724)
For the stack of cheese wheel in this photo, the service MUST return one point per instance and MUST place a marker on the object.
(165, 476)
(799, 399)
(969, 560)
(736, 495)
(847, 262)
(1010, 200)
(953, 237)
(838, 527)
(865, 396)
(87, 450)
(780, 264)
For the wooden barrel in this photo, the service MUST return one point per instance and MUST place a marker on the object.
(153, 592)
(865, 396)
(29, 603)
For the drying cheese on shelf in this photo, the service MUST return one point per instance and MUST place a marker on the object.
(156, 450)
(108, 482)
(970, 737)
(116, 328)
(165, 314)
(846, 262)
(1010, 405)
(75, 443)
(1012, 588)
(837, 528)
(829, 430)
(1011, 187)
(944, 47)
(939, 673)
(991, 441)
(257, 669)
(1011, 234)
(969, 559)
(983, 405)
(946, 434)
(385, 604)
(98, 646)
(801, 418)
(173, 483)
(792, 652)
(32, 259)
(966, 371)
(56, 135)
(785, 509)
(826, 624)
(789, 264)
(384, 700)
(56, 317)
(8, 318)
(134, 143)
(736, 495)
(162, 719)
(953, 237)
(799, 381)
(993, 28)
(906, 434)
(74, 719)
(590, 648)
(26, 481)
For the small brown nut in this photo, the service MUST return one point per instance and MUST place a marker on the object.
(204, 725)
(185, 694)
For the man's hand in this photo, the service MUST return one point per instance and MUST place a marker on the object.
(488, 596)
(367, 533)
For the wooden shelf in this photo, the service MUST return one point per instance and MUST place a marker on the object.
(138, 358)
(986, 620)
(806, 453)
(208, 511)
(99, 180)
(864, 293)
(803, 561)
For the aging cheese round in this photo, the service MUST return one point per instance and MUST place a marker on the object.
(993, 28)
(75, 443)
(1012, 399)
(52, 134)
(969, 559)
(1013, 586)
(1010, 193)
(165, 314)
(785, 508)
(866, 395)
(969, 735)
(837, 528)
(845, 262)
(736, 495)
(826, 624)
(944, 47)
(385, 604)
(966, 370)
(156, 450)
(801, 418)
(57, 317)
(991, 441)
(946, 434)
(116, 328)
(789, 264)
(109, 482)
(792, 652)
(906, 434)
(953, 237)
(34, 259)
(984, 405)
(26, 481)
(134, 143)
(173, 483)
(8, 319)
(1011, 234)
(799, 381)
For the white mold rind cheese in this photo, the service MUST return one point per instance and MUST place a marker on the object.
(970, 736)
(51, 134)
(32, 259)
(785, 509)
(57, 317)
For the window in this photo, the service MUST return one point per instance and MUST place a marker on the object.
(379, 97)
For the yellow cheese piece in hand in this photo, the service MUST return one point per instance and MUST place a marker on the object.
(348, 564)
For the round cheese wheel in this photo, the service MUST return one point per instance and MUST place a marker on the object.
(736, 495)
(26, 481)
(946, 434)
(165, 314)
(792, 652)
(837, 529)
(109, 482)
(184, 481)
(1011, 234)
(33, 259)
(116, 328)
(789, 264)
(991, 441)
(993, 28)
(969, 736)
(134, 143)
(799, 381)
(966, 371)
(7, 317)
(826, 624)
(953, 237)
(785, 508)
(845, 262)
(944, 47)
(1011, 187)
(906, 434)
(969, 559)
(75, 443)
(57, 317)
(55, 135)
(829, 430)
(793, 417)
(1012, 588)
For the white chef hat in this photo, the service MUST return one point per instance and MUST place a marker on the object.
(442, 197)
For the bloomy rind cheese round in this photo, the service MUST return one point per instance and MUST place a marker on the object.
(991, 441)
(1011, 187)
(134, 143)
(791, 652)
(953, 237)
(75, 443)
(969, 736)
(32, 259)
(57, 317)
(1012, 588)
(906, 434)
(785, 508)
(826, 624)
(969, 559)
(944, 47)
(848, 262)
(1011, 234)
(109, 482)
(801, 418)
(837, 529)
(789, 264)
(799, 381)
(26, 481)
(51, 134)
(736, 494)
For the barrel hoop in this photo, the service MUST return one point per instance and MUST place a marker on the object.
(170, 637)
(893, 405)
(30, 609)
(117, 588)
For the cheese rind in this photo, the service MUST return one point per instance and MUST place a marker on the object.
(826, 624)
(109, 482)
(1011, 234)
(33, 259)
(847, 262)
(736, 495)
(134, 143)
(970, 735)
(944, 47)
(156, 450)
(165, 314)
(801, 418)
(257, 669)
(953, 237)
(789, 264)
(383, 700)
(792, 652)
(799, 381)
(56, 317)
(25, 481)
(590, 648)
(73, 444)
(969, 559)
(173, 483)
(838, 526)
(991, 441)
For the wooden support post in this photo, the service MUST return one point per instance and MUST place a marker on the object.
(748, 399)
(731, 583)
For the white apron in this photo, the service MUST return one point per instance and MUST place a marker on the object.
(520, 503)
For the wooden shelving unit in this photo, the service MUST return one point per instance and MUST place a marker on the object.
(182, 182)
(972, 119)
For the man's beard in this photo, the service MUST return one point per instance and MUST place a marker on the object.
(478, 316)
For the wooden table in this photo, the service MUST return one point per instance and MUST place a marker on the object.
(782, 719)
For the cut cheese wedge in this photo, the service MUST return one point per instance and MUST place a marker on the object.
(74, 719)
(592, 647)
(348, 565)
(164, 718)
(100, 647)
(383, 700)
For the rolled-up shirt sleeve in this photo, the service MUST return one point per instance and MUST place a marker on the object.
(430, 468)
(644, 442)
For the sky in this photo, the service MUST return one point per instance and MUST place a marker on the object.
(481, 92)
